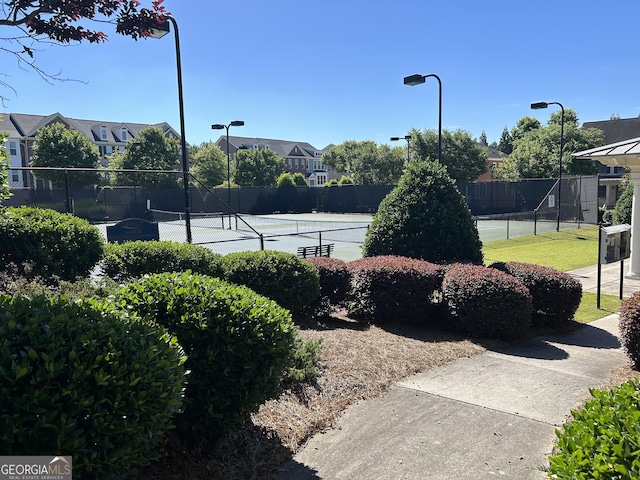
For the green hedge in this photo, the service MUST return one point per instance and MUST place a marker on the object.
(83, 378)
(603, 439)
(283, 277)
(389, 289)
(238, 345)
(129, 260)
(47, 243)
(486, 302)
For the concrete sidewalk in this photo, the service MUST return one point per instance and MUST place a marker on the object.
(487, 416)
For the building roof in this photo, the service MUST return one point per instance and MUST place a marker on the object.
(626, 153)
(282, 148)
(26, 125)
(617, 130)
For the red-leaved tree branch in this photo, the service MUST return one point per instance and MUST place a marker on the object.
(41, 22)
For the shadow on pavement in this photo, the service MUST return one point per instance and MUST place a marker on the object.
(298, 471)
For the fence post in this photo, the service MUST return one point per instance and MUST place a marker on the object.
(320, 238)
(261, 241)
(67, 196)
(507, 227)
(535, 222)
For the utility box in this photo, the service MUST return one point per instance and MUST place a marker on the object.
(615, 243)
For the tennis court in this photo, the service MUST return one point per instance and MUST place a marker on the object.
(287, 232)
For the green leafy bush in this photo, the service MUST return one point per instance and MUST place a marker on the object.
(284, 278)
(630, 328)
(602, 439)
(52, 243)
(622, 210)
(335, 281)
(555, 295)
(238, 345)
(424, 217)
(129, 260)
(304, 362)
(394, 289)
(486, 302)
(86, 379)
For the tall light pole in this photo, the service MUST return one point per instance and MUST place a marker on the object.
(538, 106)
(159, 32)
(417, 79)
(220, 126)
(408, 139)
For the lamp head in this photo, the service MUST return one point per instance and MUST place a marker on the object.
(394, 139)
(217, 126)
(160, 30)
(539, 105)
(414, 80)
(407, 137)
(237, 123)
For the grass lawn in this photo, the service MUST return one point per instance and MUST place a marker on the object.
(562, 250)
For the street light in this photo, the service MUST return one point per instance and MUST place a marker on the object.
(220, 126)
(539, 106)
(408, 139)
(417, 79)
(159, 32)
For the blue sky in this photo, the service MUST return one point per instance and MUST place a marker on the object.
(326, 72)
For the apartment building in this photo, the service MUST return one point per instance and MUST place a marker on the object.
(298, 157)
(107, 136)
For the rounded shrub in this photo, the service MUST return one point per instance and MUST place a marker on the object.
(129, 260)
(424, 217)
(335, 281)
(283, 277)
(630, 328)
(81, 377)
(394, 289)
(486, 302)
(47, 243)
(555, 295)
(602, 439)
(238, 345)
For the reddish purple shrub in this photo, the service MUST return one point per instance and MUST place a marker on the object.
(335, 281)
(389, 289)
(630, 328)
(556, 295)
(486, 302)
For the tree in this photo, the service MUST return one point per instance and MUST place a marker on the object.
(150, 150)
(285, 180)
(463, 158)
(208, 164)
(536, 152)
(367, 162)
(5, 192)
(300, 180)
(258, 168)
(424, 217)
(622, 210)
(506, 142)
(57, 145)
(56, 22)
(483, 139)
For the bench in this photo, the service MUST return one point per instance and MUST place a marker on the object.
(316, 251)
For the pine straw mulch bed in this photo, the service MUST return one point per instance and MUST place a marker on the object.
(358, 362)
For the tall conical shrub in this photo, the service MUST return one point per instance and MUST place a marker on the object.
(424, 217)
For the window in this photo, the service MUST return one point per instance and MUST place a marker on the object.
(322, 179)
(121, 149)
(103, 133)
(15, 178)
(296, 163)
(266, 147)
(13, 148)
(123, 134)
(289, 162)
(108, 150)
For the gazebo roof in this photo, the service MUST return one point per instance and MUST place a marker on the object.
(625, 153)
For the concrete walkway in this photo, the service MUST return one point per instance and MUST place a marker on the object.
(489, 416)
